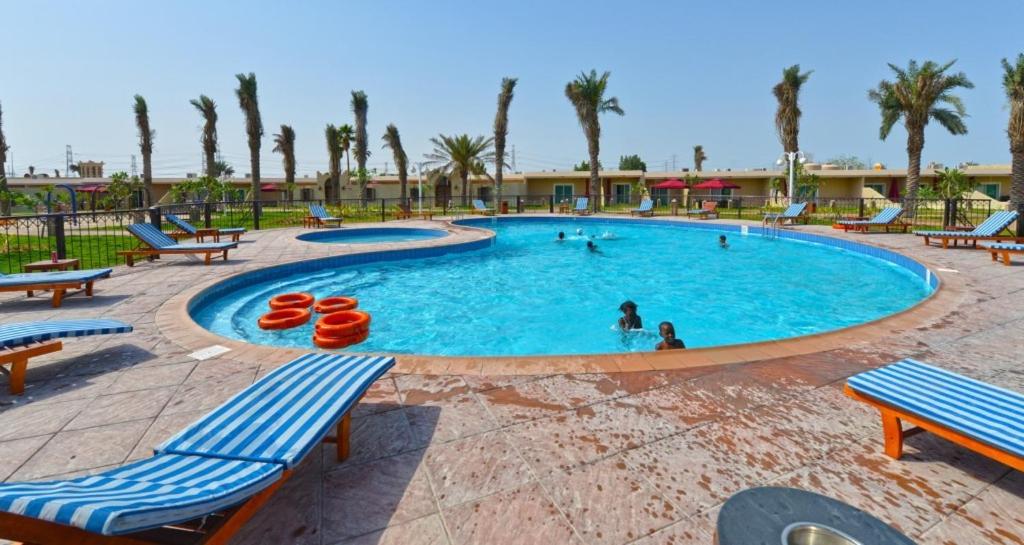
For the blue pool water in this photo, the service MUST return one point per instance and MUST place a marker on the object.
(368, 235)
(528, 295)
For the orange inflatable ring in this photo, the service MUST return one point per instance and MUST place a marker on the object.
(330, 305)
(345, 323)
(291, 300)
(339, 342)
(284, 318)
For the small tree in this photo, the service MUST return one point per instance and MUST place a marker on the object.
(632, 162)
(950, 183)
(584, 166)
(848, 162)
(699, 157)
(120, 189)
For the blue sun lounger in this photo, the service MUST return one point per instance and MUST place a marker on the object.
(886, 218)
(989, 229)
(793, 213)
(978, 416)
(1005, 249)
(157, 243)
(646, 208)
(227, 464)
(215, 232)
(480, 208)
(582, 206)
(319, 215)
(59, 282)
(24, 340)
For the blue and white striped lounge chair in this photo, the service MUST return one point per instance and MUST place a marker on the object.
(646, 208)
(582, 206)
(190, 230)
(970, 413)
(1005, 249)
(157, 243)
(792, 213)
(480, 208)
(24, 340)
(887, 217)
(319, 216)
(227, 464)
(59, 282)
(989, 229)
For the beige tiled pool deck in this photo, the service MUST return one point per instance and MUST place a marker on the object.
(627, 449)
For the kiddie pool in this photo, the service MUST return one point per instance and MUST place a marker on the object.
(371, 235)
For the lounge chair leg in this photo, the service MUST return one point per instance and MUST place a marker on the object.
(208, 258)
(18, 367)
(344, 429)
(926, 243)
(225, 255)
(945, 244)
(58, 296)
(994, 256)
(893, 431)
(88, 289)
(1006, 258)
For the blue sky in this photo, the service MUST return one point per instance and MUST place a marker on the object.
(685, 73)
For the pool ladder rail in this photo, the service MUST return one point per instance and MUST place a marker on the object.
(770, 230)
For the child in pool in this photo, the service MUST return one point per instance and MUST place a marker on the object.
(668, 337)
(593, 247)
(561, 236)
(722, 242)
(630, 319)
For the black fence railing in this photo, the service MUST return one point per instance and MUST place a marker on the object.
(96, 237)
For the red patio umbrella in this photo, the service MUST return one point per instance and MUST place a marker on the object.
(716, 183)
(91, 189)
(674, 183)
(268, 187)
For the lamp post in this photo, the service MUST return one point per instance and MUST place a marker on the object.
(791, 157)
(419, 185)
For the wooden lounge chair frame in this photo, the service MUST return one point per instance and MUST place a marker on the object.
(59, 289)
(892, 429)
(151, 253)
(483, 211)
(405, 212)
(967, 237)
(707, 208)
(18, 356)
(996, 252)
(643, 213)
(214, 529)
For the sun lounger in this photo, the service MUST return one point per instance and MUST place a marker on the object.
(582, 206)
(204, 483)
(990, 229)
(970, 413)
(189, 230)
(56, 281)
(706, 210)
(1005, 249)
(21, 341)
(406, 212)
(792, 213)
(157, 243)
(320, 216)
(887, 218)
(646, 208)
(480, 208)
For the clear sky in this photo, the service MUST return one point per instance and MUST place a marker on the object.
(685, 72)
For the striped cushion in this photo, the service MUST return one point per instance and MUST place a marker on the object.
(479, 205)
(1007, 246)
(582, 203)
(181, 224)
(198, 246)
(286, 413)
(988, 414)
(885, 217)
(995, 223)
(52, 277)
(151, 235)
(645, 205)
(231, 230)
(18, 334)
(161, 490)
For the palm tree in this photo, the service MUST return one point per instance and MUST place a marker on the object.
(208, 109)
(222, 168)
(699, 157)
(360, 105)
(284, 143)
(394, 141)
(1013, 83)
(500, 133)
(346, 134)
(5, 202)
(249, 102)
(146, 135)
(333, 190)
(456, 157)
(919, 94)
(787, 116)
(586, 93)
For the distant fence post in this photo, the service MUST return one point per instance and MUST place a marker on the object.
(860, 208)
(154, 216)
(519, 204)
(256, 215)
(58, 235)
(1020, 218)
(382, 219)
(207, 220)
(551, 204)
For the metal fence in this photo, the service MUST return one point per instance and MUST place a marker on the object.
(96, 237)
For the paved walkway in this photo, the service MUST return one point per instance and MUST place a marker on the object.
(598, 458)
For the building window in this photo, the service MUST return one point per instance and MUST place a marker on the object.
(483, 193)
(563, 192)
(371, 193)
(880, 188)
(307, 194)
(992, 190)
(622, 193)
(414, 193)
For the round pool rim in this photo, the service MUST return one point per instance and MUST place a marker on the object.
(612, 361)
(314, 236)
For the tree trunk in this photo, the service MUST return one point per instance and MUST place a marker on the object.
(254, 163)
(593, 146)
(498, 183)
(915, 143)
(1017, 180)
(465, 186)
(5, 204)
(403, 180)
(147, 179)
(211, 163)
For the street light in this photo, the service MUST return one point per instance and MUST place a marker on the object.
(419, 185)
(791, 157)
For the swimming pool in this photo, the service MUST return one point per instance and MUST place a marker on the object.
(526, 294)
(370, 235)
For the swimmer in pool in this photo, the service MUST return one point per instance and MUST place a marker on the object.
(561, 237)
(629, 319)
(722, 242)
(668, 337)
(608, 235)
(593, 247)
(579, 232)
